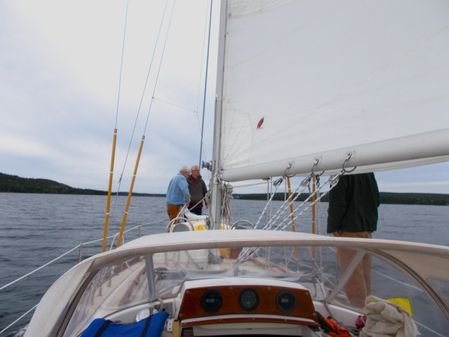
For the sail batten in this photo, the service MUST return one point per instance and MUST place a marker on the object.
(330, 78)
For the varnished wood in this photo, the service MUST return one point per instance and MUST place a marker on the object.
(191, 304)
(248, 319)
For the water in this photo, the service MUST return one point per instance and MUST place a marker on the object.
(35, 228)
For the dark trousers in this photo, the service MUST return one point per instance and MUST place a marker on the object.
(198, 210)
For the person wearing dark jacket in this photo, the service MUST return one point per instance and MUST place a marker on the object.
(352, 212)
(197, 189)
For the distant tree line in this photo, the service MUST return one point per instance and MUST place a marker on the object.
(16, 184)
(11, 183)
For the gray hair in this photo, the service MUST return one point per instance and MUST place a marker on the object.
(184, 169)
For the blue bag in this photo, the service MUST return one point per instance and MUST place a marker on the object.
(151, 326)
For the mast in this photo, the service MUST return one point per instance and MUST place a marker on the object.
(216, 190)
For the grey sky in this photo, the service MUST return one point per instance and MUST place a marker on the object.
(59, 71)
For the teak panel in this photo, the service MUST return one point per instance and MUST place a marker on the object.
(191, 303)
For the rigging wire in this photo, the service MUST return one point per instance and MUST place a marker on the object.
(136, 166)
(125, 25)
(114, 138)
(205, 83)
(142, 96)
(200, 79)
(160, 67)
(176, 105)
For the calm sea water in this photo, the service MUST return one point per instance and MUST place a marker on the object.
(36, 228)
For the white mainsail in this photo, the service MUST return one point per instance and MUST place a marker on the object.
(323, 79)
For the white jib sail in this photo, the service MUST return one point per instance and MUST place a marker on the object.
(316, 80)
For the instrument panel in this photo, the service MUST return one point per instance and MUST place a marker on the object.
(244, 303)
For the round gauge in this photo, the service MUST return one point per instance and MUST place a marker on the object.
(286, 301)
(249, 300)
(211, 300)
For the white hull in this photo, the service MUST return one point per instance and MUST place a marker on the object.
(157, 271)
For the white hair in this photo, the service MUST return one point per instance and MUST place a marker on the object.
(184, 169)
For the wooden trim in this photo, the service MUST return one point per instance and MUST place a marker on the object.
(247, 319)
(230, 295)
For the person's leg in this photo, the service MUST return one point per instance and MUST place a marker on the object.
(198, 210)
(367, 264)
(358, 286)
(355, 286)
(367, 272)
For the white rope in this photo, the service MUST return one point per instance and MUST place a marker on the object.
(332, 181)
(39, 268)
(246, 253)
(226, 209)
(66, 253)
(429, 329)
(266, 207)
(306, 205)
(18, 319)
(286, 204)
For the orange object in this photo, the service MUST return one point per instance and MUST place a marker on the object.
(331, 327)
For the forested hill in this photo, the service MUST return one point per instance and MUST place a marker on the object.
(11, 183)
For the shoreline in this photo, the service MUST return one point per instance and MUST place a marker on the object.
(16, 184)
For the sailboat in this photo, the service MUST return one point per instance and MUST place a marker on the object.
(304, 88)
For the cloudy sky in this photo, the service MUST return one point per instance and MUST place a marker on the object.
(59, 80)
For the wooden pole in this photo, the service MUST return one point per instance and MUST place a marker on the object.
(108, 202)
(314, 205)
(290, 205)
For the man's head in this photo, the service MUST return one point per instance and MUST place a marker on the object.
(184, 171)
(195, 171)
